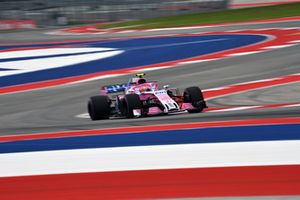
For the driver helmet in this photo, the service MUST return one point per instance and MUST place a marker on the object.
(141, 81)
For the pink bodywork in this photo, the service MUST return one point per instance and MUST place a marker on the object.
(164, 97)
(187, 106)
(144, 96)
(152, 111)
(146, 90)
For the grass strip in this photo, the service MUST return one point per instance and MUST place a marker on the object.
(236, 15)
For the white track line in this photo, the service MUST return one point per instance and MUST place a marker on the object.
(244, 53)
(150, 157)
(295, 41)
(235, 109)
(51, 52)
(279, 46)
(43, 63)
(292, 105)
(197, 61)
(96, 78)
(150, 69)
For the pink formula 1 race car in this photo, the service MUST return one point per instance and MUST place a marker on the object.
(139, 98)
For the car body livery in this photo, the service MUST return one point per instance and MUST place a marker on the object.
(139, 98)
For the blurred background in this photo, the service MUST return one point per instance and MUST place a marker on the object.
(43, 13)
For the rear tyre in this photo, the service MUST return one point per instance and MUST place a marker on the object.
(99, 107)
(194, 96)
(131, 102)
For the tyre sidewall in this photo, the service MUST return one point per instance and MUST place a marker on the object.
(194, 96)
(130, 103)
(99, 107)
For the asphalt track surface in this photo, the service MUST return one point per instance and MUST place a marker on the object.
(54, 109)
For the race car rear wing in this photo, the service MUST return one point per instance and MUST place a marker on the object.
(113, 88)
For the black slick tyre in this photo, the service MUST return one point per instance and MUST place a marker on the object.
(194, 96)
(99, 107)
(131, 102)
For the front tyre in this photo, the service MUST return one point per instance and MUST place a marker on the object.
(130, 103)
(194, 96)
(99, 107)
